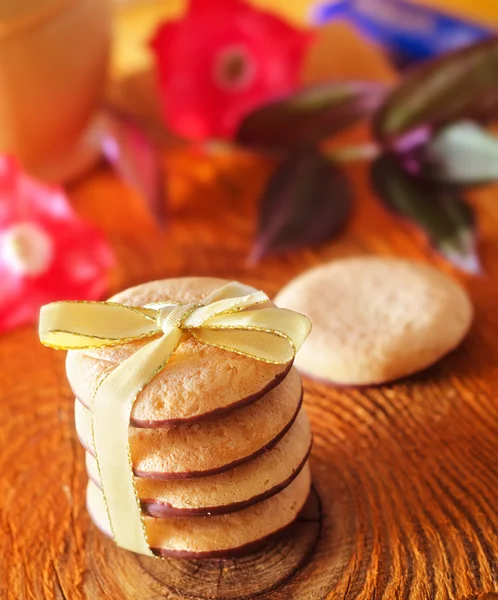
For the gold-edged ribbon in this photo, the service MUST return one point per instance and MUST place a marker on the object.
(222, 319)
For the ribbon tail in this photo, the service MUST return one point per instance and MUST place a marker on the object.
(111, 410)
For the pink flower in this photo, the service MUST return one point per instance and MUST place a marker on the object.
(46, 252)
(223, 59)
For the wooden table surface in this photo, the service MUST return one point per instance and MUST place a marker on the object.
(405, 475)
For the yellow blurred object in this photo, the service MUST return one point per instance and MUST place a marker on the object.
(135, 24)
(479, 10)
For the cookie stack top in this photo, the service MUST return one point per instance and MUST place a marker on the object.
(199, 380)
(218, 440)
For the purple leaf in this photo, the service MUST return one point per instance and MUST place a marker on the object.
(136, 160)
(460, 85)
(307, 201)
(463, 153)
(439, 210)
(310, 115)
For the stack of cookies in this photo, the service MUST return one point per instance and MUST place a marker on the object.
(219, 442)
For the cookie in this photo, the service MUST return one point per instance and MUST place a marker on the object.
(232, 490)
(199, 380)
(221, 535)
(213, 446)
(376, 319)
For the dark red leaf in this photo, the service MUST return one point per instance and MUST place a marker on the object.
(136, 160)
(439, 210)
(307, 201)
(310, 115)
(459, 85)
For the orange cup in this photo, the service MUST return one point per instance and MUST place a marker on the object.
(54, 57)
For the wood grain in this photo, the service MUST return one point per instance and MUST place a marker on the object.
(405, 475)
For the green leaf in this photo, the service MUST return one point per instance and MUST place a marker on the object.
(310, 115)
(460, 85)
(439, 210)
(463, 153)
(307, 201)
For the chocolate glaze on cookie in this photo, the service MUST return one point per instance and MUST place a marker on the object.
(229, 534)
(255, 480)
(214, 446)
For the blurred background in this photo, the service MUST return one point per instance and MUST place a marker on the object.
(121, 116)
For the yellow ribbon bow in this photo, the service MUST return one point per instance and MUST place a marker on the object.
(267, 334)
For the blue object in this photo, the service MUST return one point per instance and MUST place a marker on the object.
(408, 32)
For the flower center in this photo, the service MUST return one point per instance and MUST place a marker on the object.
(234, 68)
(26, 249)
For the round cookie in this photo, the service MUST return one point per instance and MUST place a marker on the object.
(376, 319)
(260, 478)
(216, 445)
(198, 537)
(198, 380)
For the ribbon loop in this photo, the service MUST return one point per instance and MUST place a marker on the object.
(267, 334)
(80, 325)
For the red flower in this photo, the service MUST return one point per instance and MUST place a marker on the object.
(46, 252)
(223, 59)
